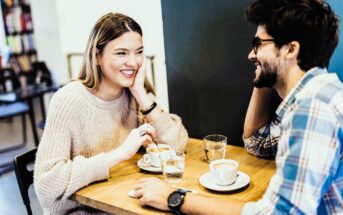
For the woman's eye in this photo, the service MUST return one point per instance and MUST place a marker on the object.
(120, 53)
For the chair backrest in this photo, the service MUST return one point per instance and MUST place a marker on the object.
(42, 73)
(8, 80)
(24, 175)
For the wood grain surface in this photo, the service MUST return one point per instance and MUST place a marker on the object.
(112, 195)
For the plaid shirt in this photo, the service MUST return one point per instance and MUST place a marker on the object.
(263, 143)
(309, 159)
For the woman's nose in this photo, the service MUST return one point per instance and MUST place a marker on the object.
(132, 61)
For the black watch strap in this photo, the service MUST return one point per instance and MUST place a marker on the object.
(177, 212)
(175, 208)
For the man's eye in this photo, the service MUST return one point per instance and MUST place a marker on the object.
(120, 53)
(140, 52)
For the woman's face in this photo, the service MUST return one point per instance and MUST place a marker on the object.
(121, 59)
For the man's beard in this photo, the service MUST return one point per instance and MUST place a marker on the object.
(267, 76)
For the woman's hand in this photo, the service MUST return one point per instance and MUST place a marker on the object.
(142, 135)
(138, 91)
(138, 84)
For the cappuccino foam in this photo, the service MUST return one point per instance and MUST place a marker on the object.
(158, 150)
(224, 166)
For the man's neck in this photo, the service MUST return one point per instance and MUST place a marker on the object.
(289, 80)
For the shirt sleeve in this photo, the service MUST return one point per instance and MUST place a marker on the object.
(263, 143)
(307, 162)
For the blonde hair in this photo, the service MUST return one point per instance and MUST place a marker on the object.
(109, 27)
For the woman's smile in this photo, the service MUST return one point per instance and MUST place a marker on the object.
(128, 73)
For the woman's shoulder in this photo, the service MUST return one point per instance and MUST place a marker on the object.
(73, 88)
(70, 94)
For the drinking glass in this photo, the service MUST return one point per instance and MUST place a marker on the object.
(173, 166)
(215, 147)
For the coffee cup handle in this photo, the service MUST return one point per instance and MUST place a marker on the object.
(146, 158)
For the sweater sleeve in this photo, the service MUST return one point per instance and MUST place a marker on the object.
(170, 130)
(57, 175)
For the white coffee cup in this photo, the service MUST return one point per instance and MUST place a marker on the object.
(153, 154)
(224, 171)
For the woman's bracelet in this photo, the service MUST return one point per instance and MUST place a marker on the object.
(147, 111)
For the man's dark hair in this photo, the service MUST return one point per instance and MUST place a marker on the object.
(312, 23)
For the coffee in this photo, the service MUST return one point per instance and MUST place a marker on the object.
(224, 166)
(154, 153)
(158, 150)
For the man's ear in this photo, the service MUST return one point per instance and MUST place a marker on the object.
(293, 49)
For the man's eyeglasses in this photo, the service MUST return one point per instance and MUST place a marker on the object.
(256, 42)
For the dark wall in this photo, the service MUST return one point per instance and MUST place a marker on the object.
(336, 63)
(209, 76)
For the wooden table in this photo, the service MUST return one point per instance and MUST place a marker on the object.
(112, 195)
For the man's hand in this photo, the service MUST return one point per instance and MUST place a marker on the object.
(153, 192)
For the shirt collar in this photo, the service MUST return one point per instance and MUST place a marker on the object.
(290, 98)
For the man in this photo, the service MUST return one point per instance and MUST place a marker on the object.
(261, 126)
(291, 49)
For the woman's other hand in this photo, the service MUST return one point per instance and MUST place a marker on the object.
(142, 135)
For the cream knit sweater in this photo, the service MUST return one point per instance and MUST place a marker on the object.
(79, 129)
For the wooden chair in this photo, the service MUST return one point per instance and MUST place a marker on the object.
(25, 175)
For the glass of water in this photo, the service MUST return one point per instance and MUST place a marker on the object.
(215, 147)
(173, 166)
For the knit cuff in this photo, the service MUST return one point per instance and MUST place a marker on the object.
(163, 123)
(169, 130)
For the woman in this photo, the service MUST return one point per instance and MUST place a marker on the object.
(96, 121)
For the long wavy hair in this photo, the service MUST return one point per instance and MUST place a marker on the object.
(109, 27)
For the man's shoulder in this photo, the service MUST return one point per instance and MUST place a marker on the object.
(326, 88)
(327, 91)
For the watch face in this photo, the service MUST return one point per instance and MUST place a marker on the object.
(175, 199)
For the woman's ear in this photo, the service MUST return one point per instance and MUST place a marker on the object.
(97, 55)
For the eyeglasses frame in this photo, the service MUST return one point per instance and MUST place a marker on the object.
(256, 42)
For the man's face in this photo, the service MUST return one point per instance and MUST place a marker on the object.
(265, 55)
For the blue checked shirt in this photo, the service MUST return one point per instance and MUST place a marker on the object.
(309, 159)
(263, 143)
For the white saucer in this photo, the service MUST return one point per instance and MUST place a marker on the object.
(143, 166)
(207, 181)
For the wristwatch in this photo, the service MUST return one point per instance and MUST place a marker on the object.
(175, 200)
